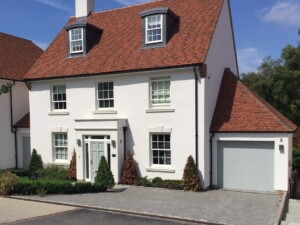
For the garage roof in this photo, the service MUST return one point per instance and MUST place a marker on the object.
(240, 109)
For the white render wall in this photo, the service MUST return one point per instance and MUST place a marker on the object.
(20, 109)
(221, 55)
(282, 161)
(131, 93)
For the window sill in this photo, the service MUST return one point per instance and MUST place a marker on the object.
(161, 169)
(61, 163)
(159, 110)
(57, 113)
(105, 112)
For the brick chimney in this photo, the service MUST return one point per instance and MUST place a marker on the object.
(83, 8)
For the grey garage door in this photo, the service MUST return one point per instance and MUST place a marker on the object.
(246, 165)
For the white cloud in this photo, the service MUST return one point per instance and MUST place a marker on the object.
(42, 45)
(249, 59)
(58, 4)
(284, 12)
(131, 2)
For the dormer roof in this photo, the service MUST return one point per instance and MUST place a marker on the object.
(17, 55)
(120, 46)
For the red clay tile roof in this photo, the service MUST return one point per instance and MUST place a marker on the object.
(17, 56)
(120, 46)
(239, 109)
(24, 122)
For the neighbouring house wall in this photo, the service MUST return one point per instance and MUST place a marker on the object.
(282, 163)
(20, 108)
(221, 55)
(131, 95)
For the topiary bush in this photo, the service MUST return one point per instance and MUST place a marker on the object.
(144, 181)
(157, 180)
(129, 172)
(53, 172)
(191, 178)
(73, 167)
(36, 162)
(7, 182)
(104, 176)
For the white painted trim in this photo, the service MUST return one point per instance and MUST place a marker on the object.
(96, 129)
(59, 113)
(105, 112)
(146, 29)
(159, 110)
(160, 169)
(59, 130)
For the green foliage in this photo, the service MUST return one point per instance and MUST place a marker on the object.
(104, 176)
(160, 183)
(4, 88)
(144, 181)
(129, 173)
(42, 187)
(296, 158)
(7, 181)
(156, 180)
(53, 172)
(191, 178)
(21, 172)
(35, 162)
(278, 82)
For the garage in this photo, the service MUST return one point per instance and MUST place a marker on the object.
(246, 165)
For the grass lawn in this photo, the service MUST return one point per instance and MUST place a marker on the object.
(43, 180)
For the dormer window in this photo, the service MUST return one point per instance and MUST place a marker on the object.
(159, 25)
(76, 40)
(154, 28)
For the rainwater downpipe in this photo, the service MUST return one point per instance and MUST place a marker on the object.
(211, 158)
(196, 115)
(13, 129)
(124, 137)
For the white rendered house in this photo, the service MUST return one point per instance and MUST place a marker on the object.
(17, 55)
(147, 79)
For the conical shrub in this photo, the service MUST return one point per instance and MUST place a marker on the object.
(191, 178)
(104, 177)
(36, 162)
(129, 173)
(73, 167)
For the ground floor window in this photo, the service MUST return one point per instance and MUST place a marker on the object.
(60, 145)
(161, 149)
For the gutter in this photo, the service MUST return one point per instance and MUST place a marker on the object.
(211, 159)
(196, 116)
(124, 141)
(12, 128)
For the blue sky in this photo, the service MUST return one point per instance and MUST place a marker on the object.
(262, 27)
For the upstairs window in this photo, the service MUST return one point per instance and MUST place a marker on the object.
(76, 40)
(154, 29)
(160, 92)
(105, 95)
(59, 97)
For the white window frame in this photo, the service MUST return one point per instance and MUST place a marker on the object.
(58, 101)
(165, 104)
(147, 29)
(105, 99)
(71, 41)
(55, 147)
(152, 149)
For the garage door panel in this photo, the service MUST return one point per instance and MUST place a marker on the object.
(246, 165)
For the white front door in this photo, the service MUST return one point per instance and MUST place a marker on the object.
(97, 150)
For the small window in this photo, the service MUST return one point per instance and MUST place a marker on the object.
(76, 40)
(161, 149)
(105, 95)
(154, 29)
(160, 92)
(59, 98)
(60, 146)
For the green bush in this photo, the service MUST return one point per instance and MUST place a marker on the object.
(156, 180)
(296, 158)
(21, 172)
(53, 172)
(144, 181)
(169, 184)
(36, 162)
(191, 178)
(7, 181)
(104, 176)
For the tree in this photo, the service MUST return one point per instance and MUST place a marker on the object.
(191, 178)
(104, 177)
(36, 162)
(73, 167)
(4, 88)
(129, 173)
(278, 82)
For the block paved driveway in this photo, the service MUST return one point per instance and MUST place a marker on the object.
(217, 206)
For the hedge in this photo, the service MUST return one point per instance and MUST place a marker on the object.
(160, 183)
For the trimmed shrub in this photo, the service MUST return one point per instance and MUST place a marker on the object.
(104, 176)
(191, 178)
(73, 167)
(21, 172)
(169, 184)
(53, 172)
(35, 162)
(144, 181)
(156, 180)
(129, 173)
(7, 181)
